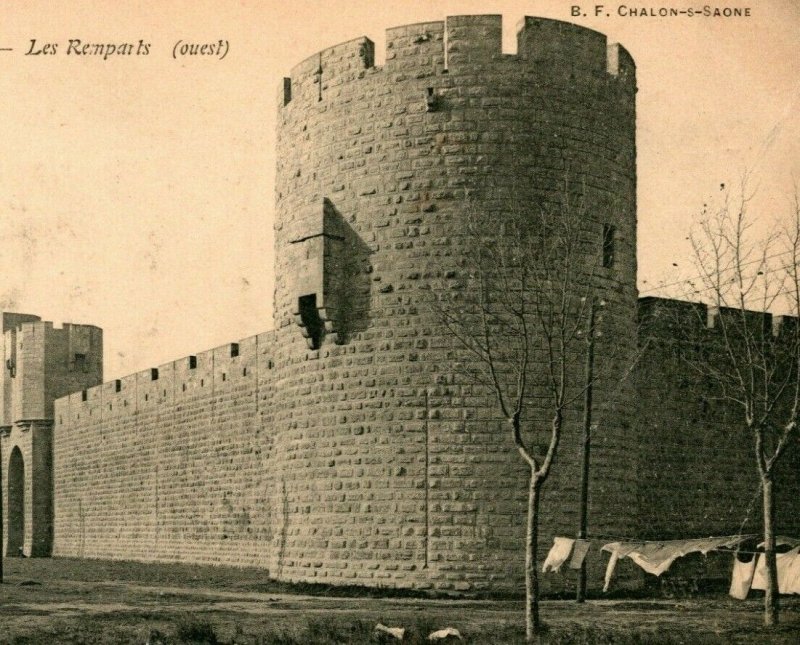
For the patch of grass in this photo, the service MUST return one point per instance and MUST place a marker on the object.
(315, 632)
(337, 631)
(130, 600)
(194, 629)
(335, 628)
(82, 632)
(327, 632)
(417, 633)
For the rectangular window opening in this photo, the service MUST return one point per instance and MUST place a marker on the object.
(309, 315)
(192, 362)
(608, 245)
(79, 363)
(234, 350)
(117, 385)
(153, 373)
(83, 395)
(287, 90)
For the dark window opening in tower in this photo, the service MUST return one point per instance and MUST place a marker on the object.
(311, 320)
(431, 100)
(608, 245)
(79, 363)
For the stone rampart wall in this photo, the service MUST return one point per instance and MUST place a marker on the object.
(169, 464)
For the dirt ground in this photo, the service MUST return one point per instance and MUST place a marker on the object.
(72, 601)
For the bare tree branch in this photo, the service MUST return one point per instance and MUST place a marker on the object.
(750, 362)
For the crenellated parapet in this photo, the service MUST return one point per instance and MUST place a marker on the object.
(784, 326)
(246, 363)
(567, 48)
(551, 50)
(682, 321)
(671, 318)
(42, 362)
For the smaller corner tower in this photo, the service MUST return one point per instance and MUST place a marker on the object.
(40, 364)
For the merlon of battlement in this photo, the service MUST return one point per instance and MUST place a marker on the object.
(13, 320)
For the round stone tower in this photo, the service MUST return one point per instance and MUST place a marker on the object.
(389, 470)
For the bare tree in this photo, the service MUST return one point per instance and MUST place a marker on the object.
(521, 314)
(751, 365)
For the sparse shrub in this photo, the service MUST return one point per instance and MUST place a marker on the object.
(156, 638)
(418, 632)
(326, 632)
(196, 630)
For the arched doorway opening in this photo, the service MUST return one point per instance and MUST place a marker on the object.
(16, 503)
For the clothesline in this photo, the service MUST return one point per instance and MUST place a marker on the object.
(621, 538)
(664, 551)
(744, 537)
(656, 556)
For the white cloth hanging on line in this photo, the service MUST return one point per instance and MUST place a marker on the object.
(559, 552)
(788, 570)
(656, 557)
(742, 576)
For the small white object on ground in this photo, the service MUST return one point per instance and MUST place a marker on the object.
(397, 632)
(441, 634)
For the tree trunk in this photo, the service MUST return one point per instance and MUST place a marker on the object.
(771, 594)
(532, 622)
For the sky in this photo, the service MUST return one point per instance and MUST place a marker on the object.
(137, 190)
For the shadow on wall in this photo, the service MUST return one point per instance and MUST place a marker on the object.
(284, 529)
(16, 503)
(333, 279)
(347, 275)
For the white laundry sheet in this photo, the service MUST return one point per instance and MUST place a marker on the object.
(656, 557)
(788, 572)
